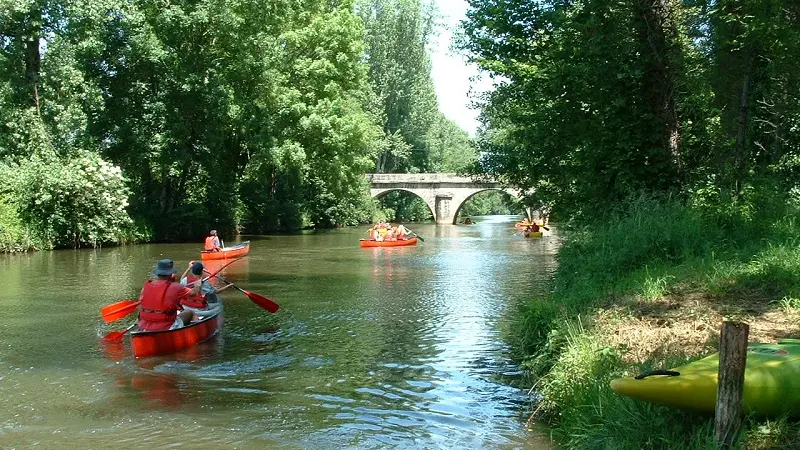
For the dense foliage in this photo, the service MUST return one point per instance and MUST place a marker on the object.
(600, 100)
(416, 137)
(240, 115)
(80, 200)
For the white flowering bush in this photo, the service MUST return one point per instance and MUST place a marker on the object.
(75, 202)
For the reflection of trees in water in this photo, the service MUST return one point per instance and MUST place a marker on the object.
(402, 316)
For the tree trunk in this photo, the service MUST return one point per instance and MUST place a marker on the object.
(741, 127)
(33, 63)
(735, 55)
(659, 38)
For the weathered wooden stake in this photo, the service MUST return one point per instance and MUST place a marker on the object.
(732, 359)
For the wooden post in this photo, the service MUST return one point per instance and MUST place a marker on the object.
(732, 359)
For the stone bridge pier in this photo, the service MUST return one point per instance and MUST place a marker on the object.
(445, 193)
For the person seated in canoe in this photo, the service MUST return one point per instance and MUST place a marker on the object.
(402, 232)
(467, 221)
(374, 234)
(161, 300)
(383, 232)
(205, 302)
(212, 242)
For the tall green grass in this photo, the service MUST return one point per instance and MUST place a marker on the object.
(644, 252)
(601, 257)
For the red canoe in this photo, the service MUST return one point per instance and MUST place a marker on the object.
(227, 252)
(398, 243)
(155, 343)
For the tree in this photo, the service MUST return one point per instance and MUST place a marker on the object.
(588, 109)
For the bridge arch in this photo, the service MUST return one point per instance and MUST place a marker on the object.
(445, 193)
(382, 192)
(463, 202)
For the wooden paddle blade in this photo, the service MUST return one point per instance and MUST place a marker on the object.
(118, 310)
(262, 301)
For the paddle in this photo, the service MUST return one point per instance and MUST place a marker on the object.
(118, 310)
(121, 309)
(117, 336)
(258, 299)
(416, 235)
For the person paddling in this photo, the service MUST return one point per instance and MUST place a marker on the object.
(402, 232)
(212, 242)
(161, 300)
(205, 302)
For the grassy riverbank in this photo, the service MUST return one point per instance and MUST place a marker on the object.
(649, 288)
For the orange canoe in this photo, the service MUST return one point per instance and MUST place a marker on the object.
(155, 343)
(227, 252)
(397, 243)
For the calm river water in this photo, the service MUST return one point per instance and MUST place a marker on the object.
(372, 348)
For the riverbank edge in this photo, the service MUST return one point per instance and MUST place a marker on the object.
(650, 290)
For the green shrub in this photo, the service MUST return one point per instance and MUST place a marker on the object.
(14, 235)
(70, 203)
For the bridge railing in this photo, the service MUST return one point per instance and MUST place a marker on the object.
(442, 177)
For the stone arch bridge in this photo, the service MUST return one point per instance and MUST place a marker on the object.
(445, 193)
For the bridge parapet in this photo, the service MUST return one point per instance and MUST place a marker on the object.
(417, 177)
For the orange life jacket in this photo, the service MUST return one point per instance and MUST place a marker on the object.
(194, 301)
(160, 303)
(210, 244)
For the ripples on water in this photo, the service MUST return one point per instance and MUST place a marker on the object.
(373, 348)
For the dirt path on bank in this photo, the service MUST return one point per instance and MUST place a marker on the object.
(687, 322)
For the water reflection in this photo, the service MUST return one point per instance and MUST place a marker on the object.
(162, 382)
(371, 348)
(237, 272)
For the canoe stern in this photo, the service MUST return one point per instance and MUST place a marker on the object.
(154, 343)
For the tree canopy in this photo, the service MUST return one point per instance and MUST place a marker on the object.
(598, 100)
(234, 114)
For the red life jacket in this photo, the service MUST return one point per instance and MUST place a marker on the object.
(194, 301)
(210, 244)
(160, 303)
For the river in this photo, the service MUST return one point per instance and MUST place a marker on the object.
(372, 348)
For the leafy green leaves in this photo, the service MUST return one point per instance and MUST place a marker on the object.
(602, 99)
(77, 202)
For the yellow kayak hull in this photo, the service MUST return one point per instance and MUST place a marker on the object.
(533, 234)
(771, 382)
